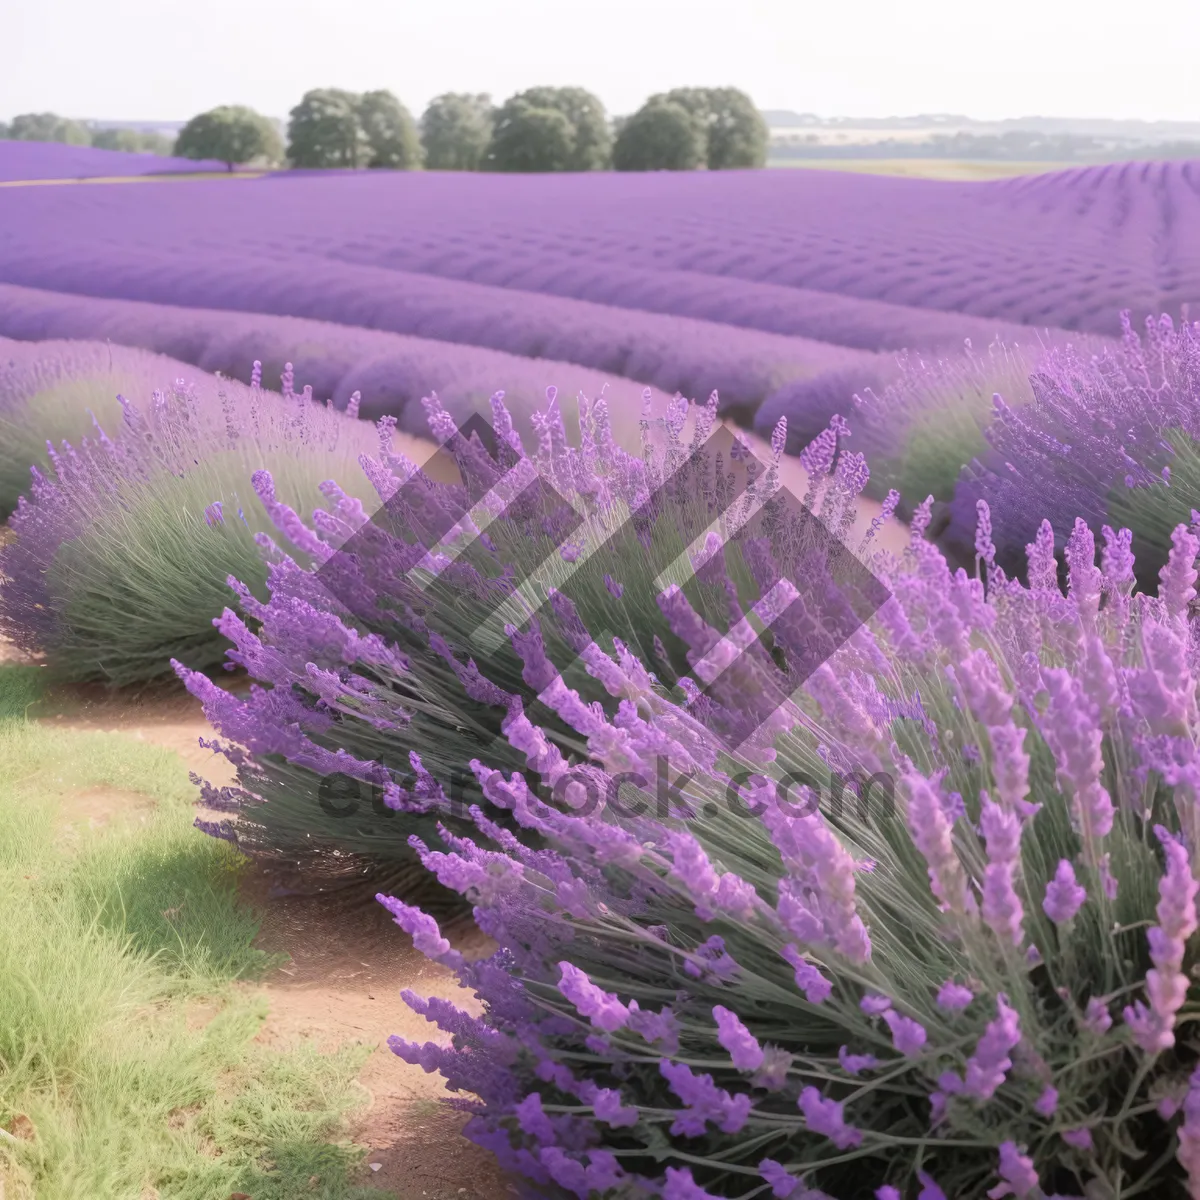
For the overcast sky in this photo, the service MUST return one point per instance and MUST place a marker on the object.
(167, 59)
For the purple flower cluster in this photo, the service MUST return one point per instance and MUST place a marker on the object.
(1108, 436)
(686, 996)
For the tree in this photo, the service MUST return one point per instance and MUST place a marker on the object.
(735, 132)
(231, 134)
(660, 136)
(324, 130)
(3, 131)
(532, 139)
(48, 127)
(590, 138)
(132, 141)
(455, 131)
(390, 131)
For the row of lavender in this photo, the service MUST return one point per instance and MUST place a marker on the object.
(1066, 250)
(935, 431)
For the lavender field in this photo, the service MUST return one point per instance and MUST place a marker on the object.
(742, 282)
(22, 162)
(773, 735)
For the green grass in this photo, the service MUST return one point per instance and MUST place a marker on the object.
(128, 1065)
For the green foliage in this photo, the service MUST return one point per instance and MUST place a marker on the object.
(531, 139)
(390, 131)
(231, 134)
(524, 134)
(325, 130)
(109, 939)
(48, 127)
(455, 131)
(660, 136)
(133, 141)
(929, 422)
(331, 128)
(734, 131)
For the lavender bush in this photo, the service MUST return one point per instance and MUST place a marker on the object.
(122, 549)
(1111, 437)
(50, 391)
(928, 422)
(983, 990)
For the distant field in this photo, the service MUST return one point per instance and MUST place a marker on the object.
(961, 170)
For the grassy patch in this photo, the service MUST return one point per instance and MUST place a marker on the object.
(128, 1061)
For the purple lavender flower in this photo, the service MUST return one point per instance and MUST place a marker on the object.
(680, 1185)
(783, 1182)
(929, 1189)
(1064, 897)
(1096, 1017)
(743, 1047)
(603, 1009)
(704, 1102)
(1047, 1103)
(533, 1119)
(908, 1035)
(854, 1064)
(1188, 1153)
(1166, 984)
(1017, 1173)
(607, 1106)
(809, 980)
(1001, 907)
(931, 832)
(954, 997)
(826, 1117)
(988, 1067)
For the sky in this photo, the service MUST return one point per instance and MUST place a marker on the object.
(988, 59)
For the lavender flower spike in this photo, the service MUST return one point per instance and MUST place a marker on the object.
(826, 1117)
(1002, 908)
(1064, 897)
(931, 832)
(743, 1047)
(988, 1067)
(1177, 579)
(1188, 1154)
(1017, 1172)
(1166, 983)
(603, 1009)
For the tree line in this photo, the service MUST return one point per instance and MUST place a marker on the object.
(541, 129)
(50, 127)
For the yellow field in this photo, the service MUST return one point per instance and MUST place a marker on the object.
(926, 168)
(137, 178)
